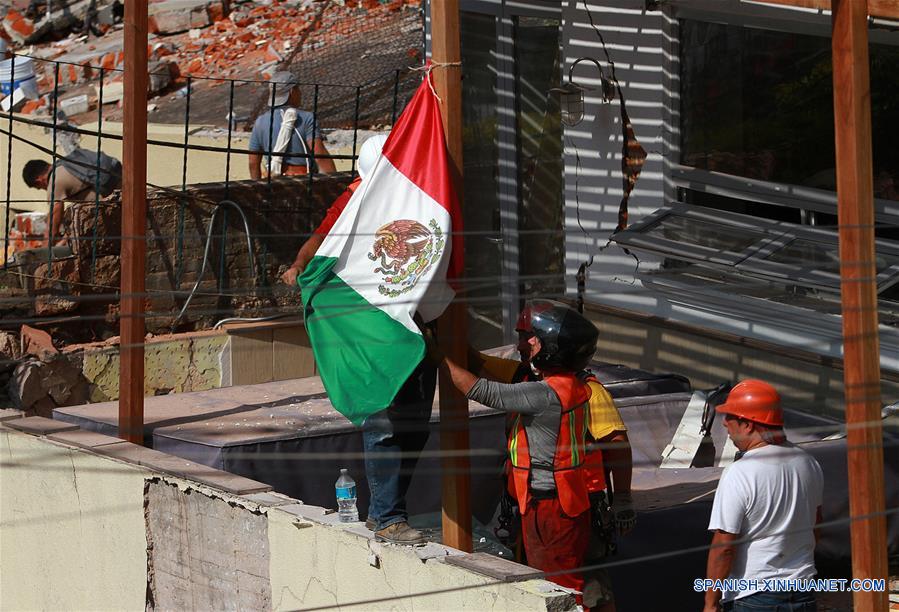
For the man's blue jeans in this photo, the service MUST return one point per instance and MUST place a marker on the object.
(392, 440)
(768, 601)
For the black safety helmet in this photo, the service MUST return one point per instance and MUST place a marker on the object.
(567, 338)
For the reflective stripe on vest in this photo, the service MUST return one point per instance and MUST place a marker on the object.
(571, 486)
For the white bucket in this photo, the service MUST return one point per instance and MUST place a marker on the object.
(24, 76)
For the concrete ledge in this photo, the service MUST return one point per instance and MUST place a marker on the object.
(90, 533)
(83, 439)
(495, 567)
(169, 464)
(7, 414)
(38, 426)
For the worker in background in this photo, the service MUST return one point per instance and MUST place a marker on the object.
(287, 130)
(368, 156)
(547, 441)
(766, 506)
(75, 177)
(608, 454)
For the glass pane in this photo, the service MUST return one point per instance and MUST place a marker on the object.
(822, 256)
(703, 233)
(480, 155)
(541, 239)
(759, 104)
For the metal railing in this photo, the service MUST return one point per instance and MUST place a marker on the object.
(397, 83)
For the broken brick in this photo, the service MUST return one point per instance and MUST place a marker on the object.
(32, 105)
(37, 343)
(216, 12)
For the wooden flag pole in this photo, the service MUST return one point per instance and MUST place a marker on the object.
(452, 326)
(134, 224)
(858, 282)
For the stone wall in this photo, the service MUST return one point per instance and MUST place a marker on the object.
(280, 216)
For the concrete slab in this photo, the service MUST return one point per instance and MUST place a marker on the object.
(495, 567)
(7, 414)
(176, 466)
(84, 439)
(271, 499)
(39, 426)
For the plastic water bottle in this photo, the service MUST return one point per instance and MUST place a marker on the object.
(345, 488)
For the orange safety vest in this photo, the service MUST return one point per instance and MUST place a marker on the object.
(571, 484)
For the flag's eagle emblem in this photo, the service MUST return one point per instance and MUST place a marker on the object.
(404, 251)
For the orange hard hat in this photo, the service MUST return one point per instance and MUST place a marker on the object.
(756, 401)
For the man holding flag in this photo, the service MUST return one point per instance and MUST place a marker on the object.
(386, 259)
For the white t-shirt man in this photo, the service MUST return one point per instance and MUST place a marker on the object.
(770, 497)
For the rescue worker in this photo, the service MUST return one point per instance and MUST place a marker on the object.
(766, 507)
(608, 464)
(547, 441)
(74, 177)
(393, 438)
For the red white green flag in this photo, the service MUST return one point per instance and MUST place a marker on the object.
(387, 257)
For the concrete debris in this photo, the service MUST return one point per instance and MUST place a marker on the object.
(75, 105)
(37, 387)
(10, 350)
(37, 343)
(25, 387)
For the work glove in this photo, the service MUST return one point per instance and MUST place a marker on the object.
(433, 352)
(623, 511)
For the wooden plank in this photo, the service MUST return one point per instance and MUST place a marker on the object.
(884, 9)
(134, 224)
(291, 353)
(452, 326)
(251, 357)
(861, 348)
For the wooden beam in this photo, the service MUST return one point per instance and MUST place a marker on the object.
(134, 224)
(454, 444)
(858, 283)
(883, 9)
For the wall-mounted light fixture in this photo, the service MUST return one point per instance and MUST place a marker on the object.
(571, 95)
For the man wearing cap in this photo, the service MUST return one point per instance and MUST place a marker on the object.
(766, 507)
(286, 130)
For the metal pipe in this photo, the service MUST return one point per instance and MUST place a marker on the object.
(209, 227)
(97, 184)
(50, 236)
(12, 84)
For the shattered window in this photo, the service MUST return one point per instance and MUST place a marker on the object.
(702, 233)
(759, 104)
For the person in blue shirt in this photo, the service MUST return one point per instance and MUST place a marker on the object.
(284, 128)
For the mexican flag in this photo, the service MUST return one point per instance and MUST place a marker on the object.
(387, 257)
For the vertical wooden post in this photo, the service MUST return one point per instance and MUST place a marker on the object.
(134, 224)
(456, 484)
(861, 348)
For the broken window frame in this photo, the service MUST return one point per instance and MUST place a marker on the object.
(754, 259)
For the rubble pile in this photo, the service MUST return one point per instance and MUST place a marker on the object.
(211, 41)
(37, 376)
